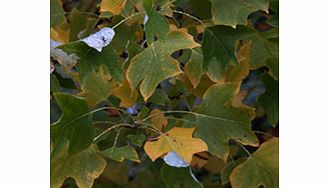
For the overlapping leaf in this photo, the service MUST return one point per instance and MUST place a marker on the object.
(179, 140)
(90, 59)
(73, 126)
(155, 64)
(121, 153)
(218, 121)
(84, 167)
(261, 168)
(96, 87)
(234, 12)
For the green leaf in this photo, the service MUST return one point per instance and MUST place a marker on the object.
(194, 67)
(179, 177)
(84, 167)
(265, 52)
(121, 153)
(218, 120)
(96, 87)
(73, 126)
(219, 48)
(54, 83)
(57, 14)
(270, 99)
(234, 12)
(90, 59)
(159, 97)
(78, 22)
(137, 139)
(155, 64)
(261, 168)
(156, 26)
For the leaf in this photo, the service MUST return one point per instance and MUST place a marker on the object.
(218, 121)
(156, 26)
(84, 167)
(265, 52)
(219, 48)
(270, 99)
(90, 59)
(159, 97)
(73, 126)
(121, 153)
(125, 94)
(96, 87)
(113, 6)
(78, 22)
(177, 139)
(179, 177)
(137, 139)
(57, 14)
(194, 67)
(234, 12)
(236, 73)
(155, 64)
(158, 119)
(219, 45)
(100, 39)
(261, 168)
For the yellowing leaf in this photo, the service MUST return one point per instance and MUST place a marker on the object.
(236, 73)
(179, 140)
(125, 94)
(84, 167)
(113, 6)
(96, 88)
(155, 63)
(261, 168)
(158, 119)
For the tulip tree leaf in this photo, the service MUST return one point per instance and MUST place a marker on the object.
(234, 12)
(179, 177)
(84, 167)
(96, 87)
(177, 139)
(156, 26)
(270, 99)
(218, 121)
(90, 59)
(73, 126)
(155, 64)
(219, 48)
(261, 168)
(121, 153)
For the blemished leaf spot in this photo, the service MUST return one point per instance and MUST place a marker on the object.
(100, 39)
(173, 159)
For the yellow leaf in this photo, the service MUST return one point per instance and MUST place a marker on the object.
(158, 119)
(125, 94)
(113, 6)
(179, 140)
